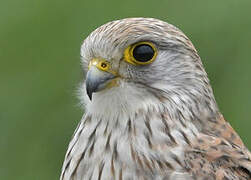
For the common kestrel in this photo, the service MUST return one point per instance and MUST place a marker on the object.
(150, 112)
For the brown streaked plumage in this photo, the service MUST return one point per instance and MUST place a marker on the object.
(151, 121)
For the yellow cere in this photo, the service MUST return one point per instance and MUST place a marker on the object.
(128, 53)
(102, 64)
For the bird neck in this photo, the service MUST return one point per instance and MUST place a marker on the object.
(152, 125)
(185, 107)
(174, 109)
(147, 132)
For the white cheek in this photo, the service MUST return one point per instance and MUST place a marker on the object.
(125, 99)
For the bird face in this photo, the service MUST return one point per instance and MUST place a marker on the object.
(101, 75)
(141, 54)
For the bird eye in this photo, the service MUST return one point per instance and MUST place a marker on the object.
(141, 53)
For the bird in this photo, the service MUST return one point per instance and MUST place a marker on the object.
(150, 111)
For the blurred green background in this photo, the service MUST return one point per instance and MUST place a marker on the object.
(40, 69)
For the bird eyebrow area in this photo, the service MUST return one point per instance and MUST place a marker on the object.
(140, 53)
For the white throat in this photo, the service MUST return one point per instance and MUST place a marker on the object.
(122, 100)
(122, 128)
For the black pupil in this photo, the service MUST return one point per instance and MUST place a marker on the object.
(143, 53)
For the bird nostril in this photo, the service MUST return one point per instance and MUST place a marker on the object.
(103, 65)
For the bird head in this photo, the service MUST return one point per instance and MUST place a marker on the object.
(139, 59)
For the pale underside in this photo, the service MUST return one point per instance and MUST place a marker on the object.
(144, 143)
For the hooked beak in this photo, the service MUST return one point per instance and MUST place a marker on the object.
(97, 80)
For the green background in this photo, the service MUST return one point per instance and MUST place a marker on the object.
(40, 69)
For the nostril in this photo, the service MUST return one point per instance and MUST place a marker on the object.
(103, 65)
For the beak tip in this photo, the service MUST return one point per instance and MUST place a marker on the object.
(96, 80)
(89, 94)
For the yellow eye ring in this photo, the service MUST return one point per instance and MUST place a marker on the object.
(140, 53)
